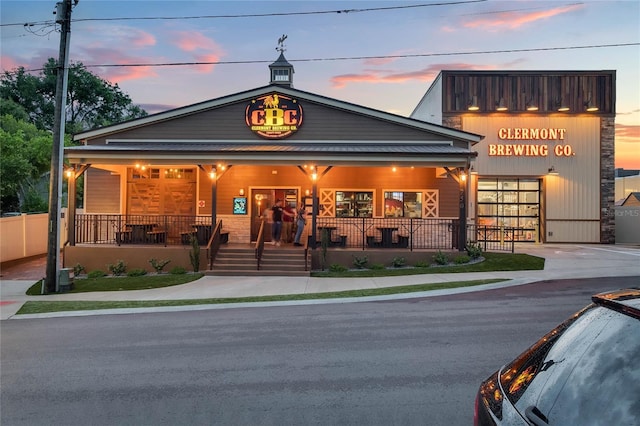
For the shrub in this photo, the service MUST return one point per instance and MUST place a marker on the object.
(78, 269)
(398, 262)
(441, 258)
(158, 264)
(96, 274)
(178, 270)
(118, 269)
(336, 267)
(377, 266)
(459, 260)
(360, 262)
(474, 250)
(138, 272)
(422, 264)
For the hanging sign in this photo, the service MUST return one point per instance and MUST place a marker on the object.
(274, 116)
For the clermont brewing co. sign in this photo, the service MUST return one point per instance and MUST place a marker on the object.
(530, 149)
(274, 116)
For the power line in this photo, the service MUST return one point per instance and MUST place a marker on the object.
(257, 15)
(351, 58)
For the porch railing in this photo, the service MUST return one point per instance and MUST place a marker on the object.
(410, 233)
(141, 229)
(360, 233)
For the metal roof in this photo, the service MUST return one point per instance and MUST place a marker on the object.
(359, 153)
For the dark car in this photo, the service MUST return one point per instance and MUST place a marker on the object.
(586, 371)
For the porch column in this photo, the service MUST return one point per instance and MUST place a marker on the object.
(314, 210)
(214, 197)
(71, 206)
(462, 232)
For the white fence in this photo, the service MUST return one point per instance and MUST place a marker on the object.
(25, 236)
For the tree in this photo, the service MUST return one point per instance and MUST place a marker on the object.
(91, 101)
(25, 156)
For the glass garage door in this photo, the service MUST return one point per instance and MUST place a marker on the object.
(513, 203)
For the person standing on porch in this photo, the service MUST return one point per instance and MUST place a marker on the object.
(287, 223)
(301, 221)
(276, 225)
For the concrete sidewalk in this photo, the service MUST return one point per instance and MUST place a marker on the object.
(563, 261)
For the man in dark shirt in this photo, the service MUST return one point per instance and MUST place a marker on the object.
(276, 226)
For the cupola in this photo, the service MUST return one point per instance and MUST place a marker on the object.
(281, 70)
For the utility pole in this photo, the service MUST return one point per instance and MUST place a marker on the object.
(63, 17)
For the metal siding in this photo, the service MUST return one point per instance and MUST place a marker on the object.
(319, 123)
(573, 231)
(102, 191)
(574, 194)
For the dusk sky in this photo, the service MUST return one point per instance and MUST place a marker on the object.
(405, 44)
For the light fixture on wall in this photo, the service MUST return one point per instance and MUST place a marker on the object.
(501, 105)
(241, 192)
(531, 105)
(552, 171)
(590, 106)
(561, 106)
(473, 104)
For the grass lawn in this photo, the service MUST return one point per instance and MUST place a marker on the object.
(110, 283)
(42, 307)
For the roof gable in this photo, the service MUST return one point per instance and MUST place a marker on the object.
(404, 125)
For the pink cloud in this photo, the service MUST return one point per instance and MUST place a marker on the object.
(513, 20)
(631, 133)
(190, 41)
(8, 63)
(379, 76)
(206, 68)
(142, 39)
(99, 56)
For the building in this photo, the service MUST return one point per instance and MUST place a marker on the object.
(546, 163)
(371, 179)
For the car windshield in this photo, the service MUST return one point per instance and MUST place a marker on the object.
(586, 373)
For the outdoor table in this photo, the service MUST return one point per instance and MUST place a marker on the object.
(139, 231)
(329, 230)
(203, 232)
(387, 235)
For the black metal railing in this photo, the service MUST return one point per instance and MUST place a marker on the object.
(410, 233)
(141, 229)
(359, 233)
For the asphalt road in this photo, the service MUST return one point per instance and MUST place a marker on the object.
(405, 362)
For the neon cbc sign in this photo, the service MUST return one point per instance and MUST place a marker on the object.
(274, 116)
(530, 150)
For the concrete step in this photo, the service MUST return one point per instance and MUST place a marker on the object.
(276, 261)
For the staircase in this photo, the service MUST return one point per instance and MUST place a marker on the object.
(239, 260)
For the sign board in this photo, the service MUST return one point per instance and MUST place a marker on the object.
(274, 116)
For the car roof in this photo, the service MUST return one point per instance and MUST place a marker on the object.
(626, 301)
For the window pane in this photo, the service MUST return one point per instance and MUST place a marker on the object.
(487, 184)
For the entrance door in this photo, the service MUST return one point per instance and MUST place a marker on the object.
(261, 201)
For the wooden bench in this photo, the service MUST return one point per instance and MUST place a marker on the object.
(123, 237)
(157, 236)
(185, 237)
(341, 241)
(403, 241)
(372, 242)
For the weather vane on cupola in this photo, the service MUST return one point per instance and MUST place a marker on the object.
(281, 40)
